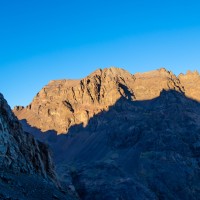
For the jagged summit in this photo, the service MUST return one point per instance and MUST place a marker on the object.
(112, 72)
(161, 72)
(64, 103)
(115, 71)
(190, 73)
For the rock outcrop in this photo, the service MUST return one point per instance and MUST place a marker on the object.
(64, 103)
(26, 168)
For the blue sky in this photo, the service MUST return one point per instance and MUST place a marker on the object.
(41, 40)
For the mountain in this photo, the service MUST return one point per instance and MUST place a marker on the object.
(139, 140)
(64, 103)
(26, 168)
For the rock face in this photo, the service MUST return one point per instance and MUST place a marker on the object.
(25, 164)
(64, 103)
(191, 83)
(129, 136)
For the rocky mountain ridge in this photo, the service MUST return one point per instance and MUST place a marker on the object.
(64, 103)
(129, 136)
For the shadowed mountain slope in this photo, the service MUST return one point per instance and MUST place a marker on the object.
(135, 150)
(64, 103)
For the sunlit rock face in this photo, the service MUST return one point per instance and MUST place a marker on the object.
(191, 83)
(148, 85)
(26, 168)
(64, 103)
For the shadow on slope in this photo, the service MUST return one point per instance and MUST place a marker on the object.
(135, 150)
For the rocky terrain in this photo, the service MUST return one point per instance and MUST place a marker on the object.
(128, 136)
(26, 168)
(64, 103)
(191, 83)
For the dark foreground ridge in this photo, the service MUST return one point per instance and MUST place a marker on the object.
(26, 168)
(136, 149)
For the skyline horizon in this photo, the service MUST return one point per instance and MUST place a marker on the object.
(44, 40)
(101, 68)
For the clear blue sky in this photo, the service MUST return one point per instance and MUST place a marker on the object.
(41, 40)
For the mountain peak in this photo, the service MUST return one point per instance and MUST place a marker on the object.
(162, 69)
(64, 103)
(189, 74)
(114, 70)
(161, 72)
